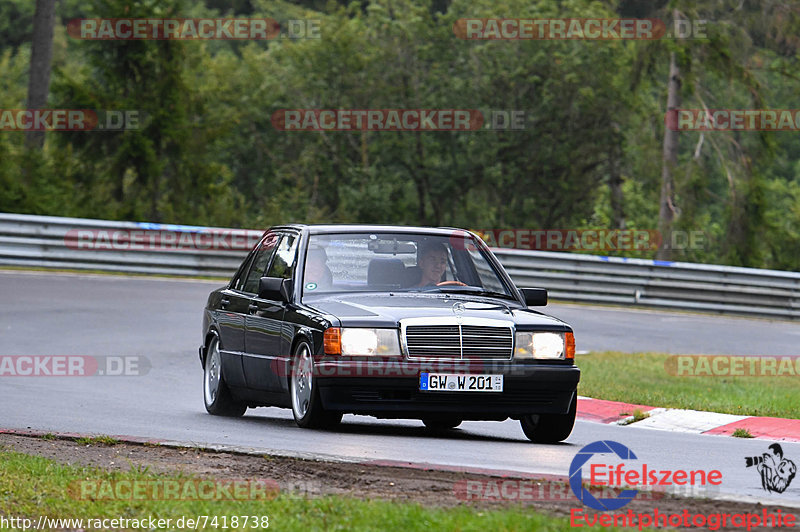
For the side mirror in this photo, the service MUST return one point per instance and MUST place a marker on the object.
(535, 297)
(274, 288)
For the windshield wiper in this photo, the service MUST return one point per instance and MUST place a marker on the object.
(476, 290)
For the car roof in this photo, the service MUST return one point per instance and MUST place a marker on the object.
(368, 228)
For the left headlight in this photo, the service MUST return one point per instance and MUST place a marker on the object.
(357, 341)
(544, 346)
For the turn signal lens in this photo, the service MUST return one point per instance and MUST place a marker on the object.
(332, 341)
(570, 349)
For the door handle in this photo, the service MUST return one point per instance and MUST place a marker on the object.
(224, 303)
(252, 307)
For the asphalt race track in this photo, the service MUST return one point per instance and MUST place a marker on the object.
(97, 315)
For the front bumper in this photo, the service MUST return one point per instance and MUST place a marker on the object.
(527, 389)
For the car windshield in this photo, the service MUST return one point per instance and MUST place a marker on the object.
(394, 262)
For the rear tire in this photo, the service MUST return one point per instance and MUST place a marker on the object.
(306, 404)
(441, 423)
(550, 428)
(216, 396)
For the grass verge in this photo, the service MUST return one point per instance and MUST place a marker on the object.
(642, 378)
(96, 440)
(32, 486)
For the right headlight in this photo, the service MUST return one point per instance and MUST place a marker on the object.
(544, 345)
(356, 341)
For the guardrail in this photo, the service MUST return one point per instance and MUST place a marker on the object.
(649, 283)
(55, 242)
(131, 247)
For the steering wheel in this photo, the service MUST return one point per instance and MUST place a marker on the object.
(451, 283)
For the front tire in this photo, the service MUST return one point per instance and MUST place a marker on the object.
(216, 396)
(306, 404)
(550, 428)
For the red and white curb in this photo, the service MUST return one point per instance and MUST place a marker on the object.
(691, 421)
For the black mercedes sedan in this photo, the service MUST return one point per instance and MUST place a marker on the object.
(386, 321)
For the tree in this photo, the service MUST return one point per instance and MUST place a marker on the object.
(666, 210)
(41, 58)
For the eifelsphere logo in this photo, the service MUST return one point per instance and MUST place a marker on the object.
(576, 475)
(776, 471)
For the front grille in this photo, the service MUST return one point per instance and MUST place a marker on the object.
(459, 342)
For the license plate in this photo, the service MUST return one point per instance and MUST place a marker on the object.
(447, 382)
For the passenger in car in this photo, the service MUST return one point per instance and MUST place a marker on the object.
(432, 262)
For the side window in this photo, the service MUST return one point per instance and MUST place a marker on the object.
(241, 275)
(283, 265)
(260, 261)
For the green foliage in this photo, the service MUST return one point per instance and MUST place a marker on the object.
(207, 152)
(16, 22)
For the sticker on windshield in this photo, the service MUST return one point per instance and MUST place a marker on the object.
(311, 286)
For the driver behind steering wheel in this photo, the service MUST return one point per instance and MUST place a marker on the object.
(432, 261)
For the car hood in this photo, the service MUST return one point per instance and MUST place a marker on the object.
(384, 310)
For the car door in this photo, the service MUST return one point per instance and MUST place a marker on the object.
(231, 310)
(234, 307)
(264, 342)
